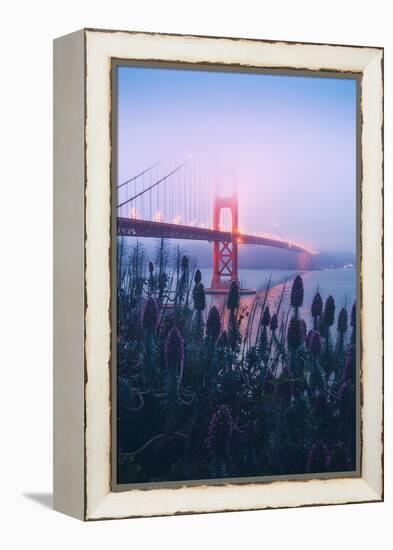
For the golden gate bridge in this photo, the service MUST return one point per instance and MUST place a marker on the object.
(179, 204)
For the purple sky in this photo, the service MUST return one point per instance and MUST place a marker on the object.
(287, 142)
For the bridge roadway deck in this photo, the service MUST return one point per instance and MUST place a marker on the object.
(128, 227)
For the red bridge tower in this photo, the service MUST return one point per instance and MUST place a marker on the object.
(225, 254)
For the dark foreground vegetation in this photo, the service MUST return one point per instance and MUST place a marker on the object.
(232, 392)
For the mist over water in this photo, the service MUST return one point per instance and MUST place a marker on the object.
(287, 143)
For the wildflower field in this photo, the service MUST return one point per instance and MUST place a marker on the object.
(230, 392)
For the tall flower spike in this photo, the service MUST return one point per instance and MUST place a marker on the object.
(328, 314)
(315, 343)
(150, 315)
(184, 263)
(174, 350)
(197, 276)
(233, 296)
(303, 327)
(308, 338)
(349, 372)
(342, 323)
(199, 297)
(294, 335)
(220, 431)
(213, 324)
(266, 317)
(317, 305)
(353, 315)
(274, 322)
(297, 292)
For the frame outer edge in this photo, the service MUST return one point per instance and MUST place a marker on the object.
(68, 271)
(103, 504)
(372, 297)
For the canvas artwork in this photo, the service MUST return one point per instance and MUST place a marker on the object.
(235, 273)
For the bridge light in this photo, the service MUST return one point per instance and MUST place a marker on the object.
(133, 213)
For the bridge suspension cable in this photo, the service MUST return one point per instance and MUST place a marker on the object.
(141, 173)
(181, 196)
(151, 186)
(180, 203)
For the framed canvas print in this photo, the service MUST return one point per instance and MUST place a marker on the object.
(218, 274)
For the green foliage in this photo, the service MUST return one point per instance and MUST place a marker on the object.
(231, 393)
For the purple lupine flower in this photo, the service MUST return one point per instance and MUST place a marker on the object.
(197, 276)
(150, 315)
(317, 305)
(234, 336)
(284, 387)
(262, 344)
(220, 431)
(266, 317)
(342, 322)
(350, 365)
(185, 263)
(322, 327)
(174, 350)
(328, 314)
(317, 458)
(213, 324)
(353, 315)
(315, 343)
(274, 322)
(303, 327)
(308, 338)
(233, 296)
(297, 292)
(294, 335)
(199, 296)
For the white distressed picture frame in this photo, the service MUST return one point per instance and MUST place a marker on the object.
(82, 250)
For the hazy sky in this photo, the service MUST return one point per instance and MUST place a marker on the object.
(287, 142)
